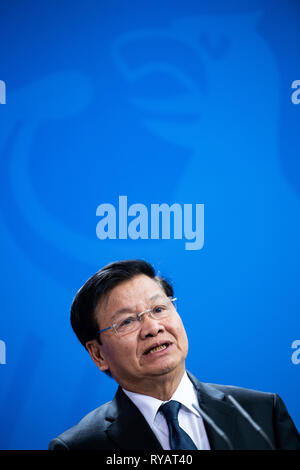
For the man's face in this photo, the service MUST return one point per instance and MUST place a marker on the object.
(126, 356)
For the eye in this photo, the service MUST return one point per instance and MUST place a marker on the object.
(159, 308)
(127, 321)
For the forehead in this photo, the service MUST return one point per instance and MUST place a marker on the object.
(132, 294)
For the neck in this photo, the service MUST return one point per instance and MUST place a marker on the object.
(161, 387)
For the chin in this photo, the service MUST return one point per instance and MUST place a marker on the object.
(164, 369)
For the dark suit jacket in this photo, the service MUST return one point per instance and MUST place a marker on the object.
(119, 425)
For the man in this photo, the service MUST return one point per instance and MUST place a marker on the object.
(125, 317)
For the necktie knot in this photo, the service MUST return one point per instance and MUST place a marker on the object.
(170, 410)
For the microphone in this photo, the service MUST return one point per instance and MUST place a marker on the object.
(214, 426)
(251, 421)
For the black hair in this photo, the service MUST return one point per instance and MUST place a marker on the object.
(83, 318)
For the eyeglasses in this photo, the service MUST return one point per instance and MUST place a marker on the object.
(131, 322)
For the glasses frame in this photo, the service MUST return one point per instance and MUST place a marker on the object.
(149, 311)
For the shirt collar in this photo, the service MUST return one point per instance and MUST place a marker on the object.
(184, 394)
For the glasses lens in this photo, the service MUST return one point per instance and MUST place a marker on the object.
(131, 322)
(162, 310)
(127, 324)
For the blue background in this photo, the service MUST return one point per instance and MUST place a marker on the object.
(162, 101)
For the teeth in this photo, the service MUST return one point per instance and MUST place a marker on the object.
(158, 348)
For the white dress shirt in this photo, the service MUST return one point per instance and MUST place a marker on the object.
(189, 419)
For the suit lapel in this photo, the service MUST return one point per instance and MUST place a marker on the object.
(128, 428)
(212, 401)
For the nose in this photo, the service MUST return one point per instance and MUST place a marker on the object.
(150, 326)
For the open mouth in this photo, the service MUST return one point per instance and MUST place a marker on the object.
(157, 348)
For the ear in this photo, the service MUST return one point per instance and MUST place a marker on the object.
(96, 353)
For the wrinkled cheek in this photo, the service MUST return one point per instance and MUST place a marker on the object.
(125, 355)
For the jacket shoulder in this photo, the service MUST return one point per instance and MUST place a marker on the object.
(267, 409)
(219, 391)
(88, 433)
(242, 392)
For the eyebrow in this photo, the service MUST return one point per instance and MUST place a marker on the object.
(131, 310)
